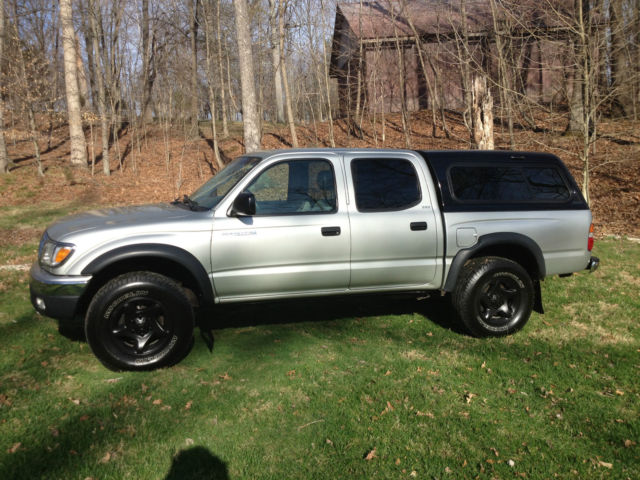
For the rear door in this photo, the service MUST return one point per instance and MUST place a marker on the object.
(298, 240)
(393, 223)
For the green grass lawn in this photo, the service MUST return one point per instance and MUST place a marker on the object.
(362, 387)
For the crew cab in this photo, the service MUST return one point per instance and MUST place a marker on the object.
(484, 226)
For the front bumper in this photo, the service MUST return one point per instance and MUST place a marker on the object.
(56, 296)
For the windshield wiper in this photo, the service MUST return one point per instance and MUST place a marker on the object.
(192, 204)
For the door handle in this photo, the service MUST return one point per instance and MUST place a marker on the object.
(417, 226)
(330, 231)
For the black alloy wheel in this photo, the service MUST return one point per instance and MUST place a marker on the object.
(140, 321)
(494, 296)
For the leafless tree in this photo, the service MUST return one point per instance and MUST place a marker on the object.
(4, 157)
(99, 69)
(250, 118)
(78, 143)
(208, 16)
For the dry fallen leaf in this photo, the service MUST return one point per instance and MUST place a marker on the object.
(15, 447)
(469, 396)
(425, 414)
(605, 464)
(226, 376)
(371, 455)
(188, 405)
(106, 458)
(157, 401)
(189, 441)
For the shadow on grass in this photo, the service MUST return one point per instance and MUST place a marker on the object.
(197, 463)
(435, 308)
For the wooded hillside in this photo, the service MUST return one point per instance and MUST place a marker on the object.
(113, 101)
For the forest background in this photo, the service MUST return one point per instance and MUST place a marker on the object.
(121, 102)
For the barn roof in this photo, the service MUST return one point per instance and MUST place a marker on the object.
(386, 18)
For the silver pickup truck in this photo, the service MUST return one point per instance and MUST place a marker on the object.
(485, 227)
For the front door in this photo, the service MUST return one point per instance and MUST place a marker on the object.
(296, 243)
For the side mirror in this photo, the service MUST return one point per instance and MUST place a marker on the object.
(244, 205)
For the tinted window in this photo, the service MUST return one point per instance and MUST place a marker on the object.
(507, 184)
(296, 186)
(546, 184)
(385, 184)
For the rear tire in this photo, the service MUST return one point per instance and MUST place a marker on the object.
(140, 321)
(494, 296)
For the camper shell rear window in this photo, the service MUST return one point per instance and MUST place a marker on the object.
(493, 183)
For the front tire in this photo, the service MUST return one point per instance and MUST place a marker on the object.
(494, 296)
(139, 321)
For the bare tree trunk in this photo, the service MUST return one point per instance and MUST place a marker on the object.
(250, 118)
(83, 87)
(148, 63)
(464, 57)
(276, 58)
(620, 67)
(29, 99)
(576, 104)
(54, 96)
(506, 88)
(208, 31)
(406, 128)
(223, 99)
(193, 13)
(78, 143)
(285, 80)
(4, 158)
(482, 114)
(102, 101)
(425, 74)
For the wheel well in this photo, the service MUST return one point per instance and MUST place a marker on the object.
(513, 246)
(516, 253)
(162, 266)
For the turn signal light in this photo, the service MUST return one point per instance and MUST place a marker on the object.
(590, 240)
(61, 254)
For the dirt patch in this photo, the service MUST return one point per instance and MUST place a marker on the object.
(19, 235)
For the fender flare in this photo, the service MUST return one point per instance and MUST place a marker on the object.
(494, 240)
(160, 251)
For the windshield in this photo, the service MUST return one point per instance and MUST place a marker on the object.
(210, 194)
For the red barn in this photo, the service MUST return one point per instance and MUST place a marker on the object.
(389, 52)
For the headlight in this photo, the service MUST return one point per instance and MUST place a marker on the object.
(52, 253)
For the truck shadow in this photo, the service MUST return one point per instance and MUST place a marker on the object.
(435, 309)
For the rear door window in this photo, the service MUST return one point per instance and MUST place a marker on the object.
(385, 184)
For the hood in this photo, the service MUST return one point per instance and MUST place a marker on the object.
(144, 217)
